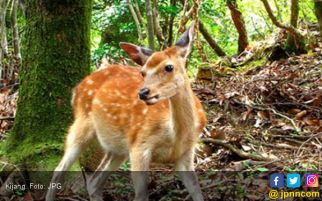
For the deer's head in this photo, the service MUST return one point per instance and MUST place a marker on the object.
(164, 71)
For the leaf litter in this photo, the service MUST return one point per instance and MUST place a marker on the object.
(265, 119)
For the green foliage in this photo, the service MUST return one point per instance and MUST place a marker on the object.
(111, 23)
(166, 10)
(110, 51)
(114, 22)
(262, 169)
(126, 166)
(216, 16)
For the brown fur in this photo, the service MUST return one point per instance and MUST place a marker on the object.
(123, 110)
(162, 129)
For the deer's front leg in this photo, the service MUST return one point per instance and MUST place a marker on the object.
(185, 169)
(140, 162)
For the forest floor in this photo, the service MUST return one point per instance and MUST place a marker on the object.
(260, 120)
(269, 113)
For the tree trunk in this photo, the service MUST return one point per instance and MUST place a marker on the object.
(138, 12)
(299, 39)
(170, 32)
(210, 40)
(195, 16)
(150, 28)
(56, 56)
(15, 31)
(318, 12)
(294, 44)
(3, 36)
(239, 22)
(157, 27)
(136, 20)
(185, 16)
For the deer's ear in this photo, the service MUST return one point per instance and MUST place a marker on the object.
(138, 54)
(184, 44)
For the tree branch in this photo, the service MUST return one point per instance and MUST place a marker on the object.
(157, 27)
(210, 40)
(136, 20)
(184, 18)
(15, 32)
(318, 13)
(3, 35)
(239, 23)
(240, 153)
(195, 16)
(170, 32)
(138, 12)
(150, 27)
(288, 28)
(7, 118)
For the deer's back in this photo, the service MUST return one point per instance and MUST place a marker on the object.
(109, 98)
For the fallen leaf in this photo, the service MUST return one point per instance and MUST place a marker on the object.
(294, 111)
(246, 148)
(300, 115)
(263, 115)
(246, 115)
(311, 121)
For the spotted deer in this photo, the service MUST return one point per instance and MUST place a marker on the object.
(148, 115)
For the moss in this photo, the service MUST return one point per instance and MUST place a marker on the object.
(56, 56)
(259, 62)
(318, 13)
(297, 46)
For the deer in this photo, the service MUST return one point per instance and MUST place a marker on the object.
(147, 115)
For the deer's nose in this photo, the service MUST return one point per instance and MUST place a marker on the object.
(143, 93)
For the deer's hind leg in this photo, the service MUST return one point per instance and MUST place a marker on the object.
(110, 162)
(80, 134)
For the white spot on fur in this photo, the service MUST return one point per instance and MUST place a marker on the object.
(90, 82)
(96, 101)
(90, 92)
(117, 93)
(115, 104)
(145, 111)
(123, 97)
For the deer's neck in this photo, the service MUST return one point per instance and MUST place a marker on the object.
(183, 111)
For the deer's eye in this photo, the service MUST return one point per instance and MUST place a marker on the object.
(168, 68)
